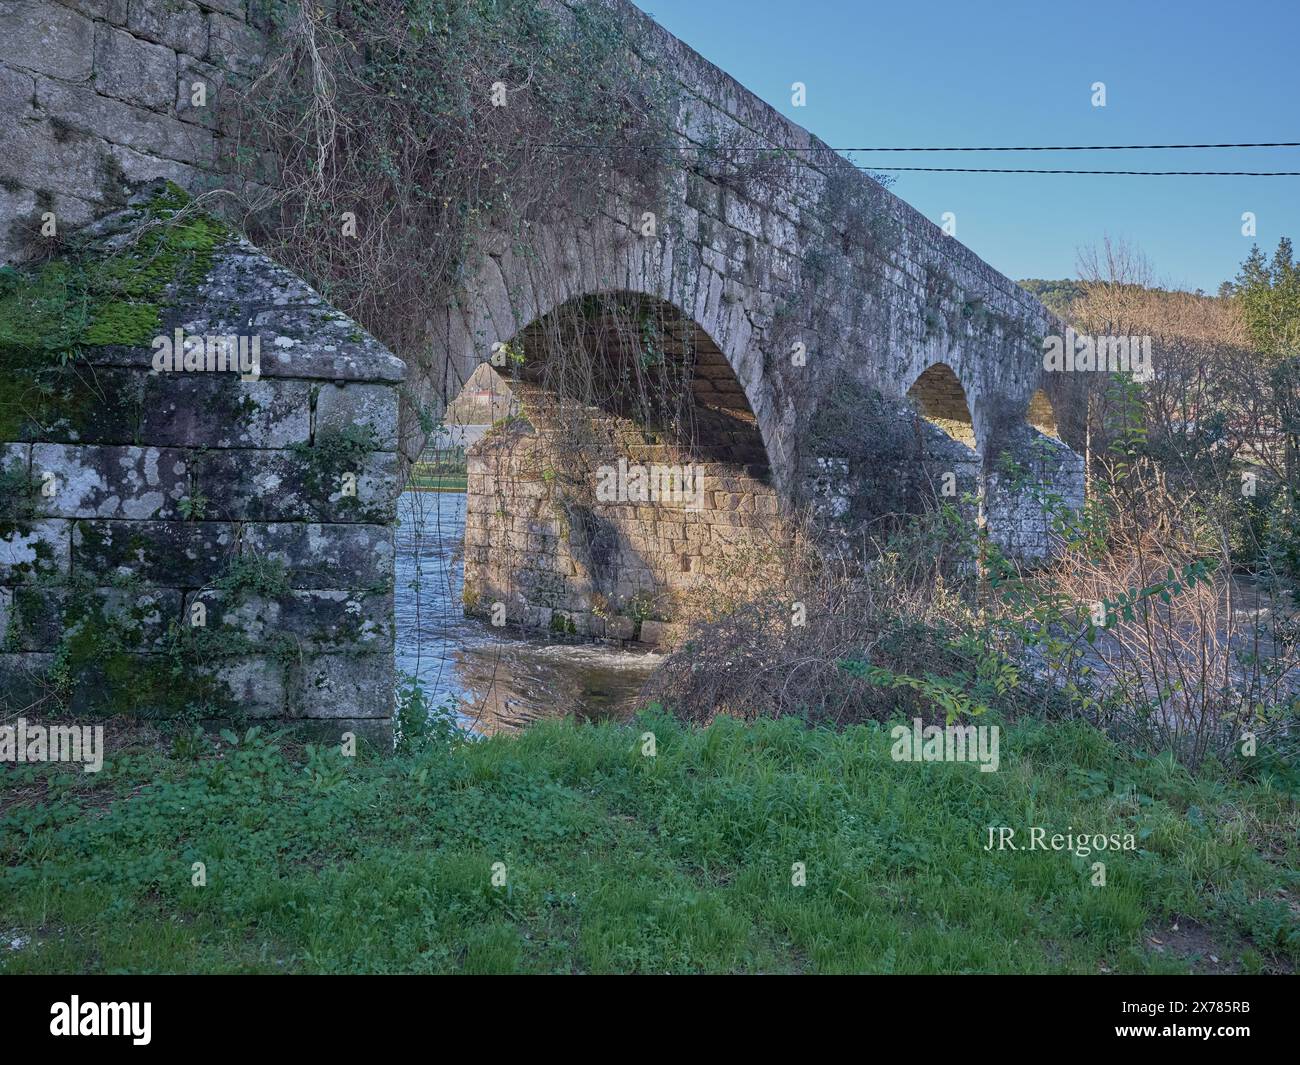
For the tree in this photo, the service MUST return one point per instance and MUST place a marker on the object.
(1268, 294)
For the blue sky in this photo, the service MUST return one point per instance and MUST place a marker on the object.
(994, 72)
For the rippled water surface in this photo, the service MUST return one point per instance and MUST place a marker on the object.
(500, 679)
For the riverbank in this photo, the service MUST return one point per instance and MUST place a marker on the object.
(608, 859)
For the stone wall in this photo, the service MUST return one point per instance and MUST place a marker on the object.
(1020, 502)
(95, 94)
(200, 542)
(547, 548)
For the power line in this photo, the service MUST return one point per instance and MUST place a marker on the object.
(951, 148)
(779, 150)
(1079, 147)
(1125, 173)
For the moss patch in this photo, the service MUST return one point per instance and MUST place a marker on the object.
(53, 314)
(334, 454)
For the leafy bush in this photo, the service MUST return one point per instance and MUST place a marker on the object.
(419, 724)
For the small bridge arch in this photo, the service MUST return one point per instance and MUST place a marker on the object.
(941, 399)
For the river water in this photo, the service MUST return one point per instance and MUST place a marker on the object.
(498, 679)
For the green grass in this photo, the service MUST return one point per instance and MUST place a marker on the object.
(450, 476)
(617, 862)
(438, 483)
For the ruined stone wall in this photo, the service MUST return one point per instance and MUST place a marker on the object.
(197, 542)
(95, 94)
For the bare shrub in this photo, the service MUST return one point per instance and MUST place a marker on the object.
(1139, 626)
(1143, 624)
(386, 111)
(782, 650)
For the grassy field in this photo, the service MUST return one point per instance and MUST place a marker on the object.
(437, 482)
(615, 861)
(440, 471)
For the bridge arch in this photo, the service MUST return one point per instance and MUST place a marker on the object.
(941, 399)
(1041, 415)
(635, 478)
(946, 440)
(509, 291)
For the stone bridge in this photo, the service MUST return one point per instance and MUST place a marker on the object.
(803, 307)
(762, 332)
